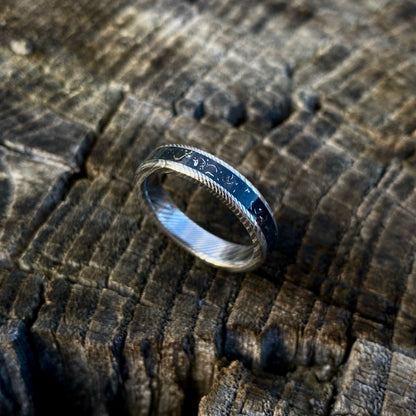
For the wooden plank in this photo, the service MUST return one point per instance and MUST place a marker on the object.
(314, 103)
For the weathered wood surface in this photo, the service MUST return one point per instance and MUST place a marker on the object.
(314, 101)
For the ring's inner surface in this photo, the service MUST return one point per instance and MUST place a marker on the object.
(208, 227)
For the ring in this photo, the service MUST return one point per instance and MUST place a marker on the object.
(227, 185)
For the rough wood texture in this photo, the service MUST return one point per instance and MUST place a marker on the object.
(314, 101)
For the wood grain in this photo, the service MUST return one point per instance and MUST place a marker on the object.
(312, 101)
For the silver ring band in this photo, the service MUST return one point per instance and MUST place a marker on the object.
(225, 183)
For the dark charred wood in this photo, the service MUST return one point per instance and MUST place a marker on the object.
(313, 101)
